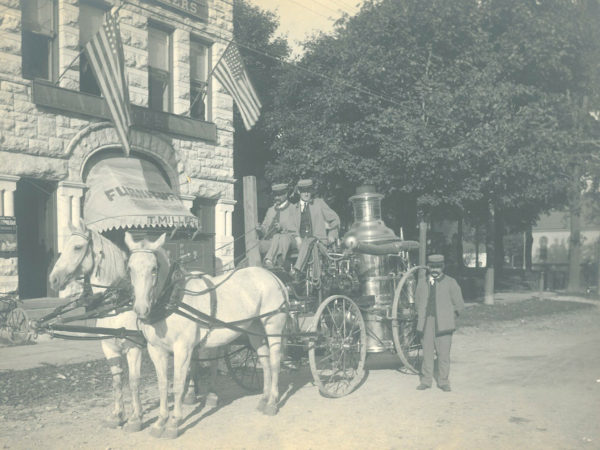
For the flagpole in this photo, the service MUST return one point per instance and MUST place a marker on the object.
(83, 49)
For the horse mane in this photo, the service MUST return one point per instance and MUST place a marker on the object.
(109, 260)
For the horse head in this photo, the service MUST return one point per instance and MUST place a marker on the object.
(148, 267)
(76, 259)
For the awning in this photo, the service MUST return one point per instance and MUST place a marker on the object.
(129, 192)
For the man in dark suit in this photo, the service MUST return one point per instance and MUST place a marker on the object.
(278, 228)
(439, 301)
(316, 222)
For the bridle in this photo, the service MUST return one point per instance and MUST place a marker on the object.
(88, 240)
(166, 287)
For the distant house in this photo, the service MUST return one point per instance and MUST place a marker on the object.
(550, 249)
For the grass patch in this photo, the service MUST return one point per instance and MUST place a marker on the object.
(479, 314)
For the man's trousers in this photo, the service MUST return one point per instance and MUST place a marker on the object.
(439, 345)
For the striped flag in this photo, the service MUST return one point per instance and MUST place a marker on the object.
(105, 53)
(232, 75)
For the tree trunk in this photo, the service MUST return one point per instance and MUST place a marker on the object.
(489, 249)
(528, 248)
(498, 242)
(460, 262)
(575, 236)
(477, 246)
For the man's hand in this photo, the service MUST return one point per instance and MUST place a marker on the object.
(331, 239)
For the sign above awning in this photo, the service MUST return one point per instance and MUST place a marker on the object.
(130, 192)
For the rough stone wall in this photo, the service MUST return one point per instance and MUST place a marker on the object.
(37, 142)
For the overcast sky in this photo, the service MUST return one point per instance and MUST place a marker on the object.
(300, 19)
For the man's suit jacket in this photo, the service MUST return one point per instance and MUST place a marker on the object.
(287, 219)
(448, 300)
(325, 220)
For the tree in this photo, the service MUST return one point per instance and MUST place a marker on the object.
(438, 116)
(263, 54)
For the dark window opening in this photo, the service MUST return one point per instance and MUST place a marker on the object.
(37, 39)
(91, 18)
(199, 66)
(159, 70)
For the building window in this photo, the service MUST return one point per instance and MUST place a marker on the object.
(159, 70)
(199, 68)
(91, 18)
(39, 39)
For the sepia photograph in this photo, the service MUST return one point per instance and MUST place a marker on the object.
(299, 224)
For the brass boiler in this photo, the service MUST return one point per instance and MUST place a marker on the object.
(376, 272)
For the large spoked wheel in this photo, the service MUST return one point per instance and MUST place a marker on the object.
(17, 323)
(337, 356)
(244, 368)
(404, 322)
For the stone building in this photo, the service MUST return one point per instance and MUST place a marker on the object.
(56, 129)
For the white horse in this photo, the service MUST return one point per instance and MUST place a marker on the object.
(252, 298)
(89, 254)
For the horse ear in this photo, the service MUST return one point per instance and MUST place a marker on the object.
(131, 244)
(159, 242)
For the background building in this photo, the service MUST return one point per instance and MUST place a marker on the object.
(55, 127)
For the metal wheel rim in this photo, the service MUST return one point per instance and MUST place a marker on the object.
(244, 368)
(404, 324)
(17, 322)
(341, 347)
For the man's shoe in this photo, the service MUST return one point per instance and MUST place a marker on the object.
(445, 388)
(268, 263)
(422, 387)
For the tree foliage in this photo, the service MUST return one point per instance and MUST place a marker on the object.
(460, 104)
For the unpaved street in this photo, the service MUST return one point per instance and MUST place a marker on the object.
(520, 384)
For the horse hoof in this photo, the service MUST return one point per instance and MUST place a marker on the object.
(156, 431)
(270, 410)
(190, 399)
(262, 404)
(212, 400)
(170, 433)
(133, 426)
(113, 421)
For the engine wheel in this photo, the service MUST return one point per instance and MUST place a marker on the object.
(244, 368)
(17, 323)
(404, 322)
(337, 356)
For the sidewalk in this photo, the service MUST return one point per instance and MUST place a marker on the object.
(48, 352)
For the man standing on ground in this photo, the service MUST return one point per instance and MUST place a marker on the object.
(279, 228)
(439, 300)
(316, 222)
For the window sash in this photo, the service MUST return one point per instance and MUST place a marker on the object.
(158, 49)
(38, 17)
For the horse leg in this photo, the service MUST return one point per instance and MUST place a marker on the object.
(273, 326)
(160, 359)
(182, 356)
(192, 382)
(212, 399)
(113, 357)
(259, 343)
(134, 361)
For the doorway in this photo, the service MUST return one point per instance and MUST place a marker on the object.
(35, 213)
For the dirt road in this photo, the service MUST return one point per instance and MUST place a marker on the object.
(523, 384)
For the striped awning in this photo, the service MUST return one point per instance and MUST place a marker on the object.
(130, 192)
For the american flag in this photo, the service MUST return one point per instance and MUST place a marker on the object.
(232, 75)
(105, 53)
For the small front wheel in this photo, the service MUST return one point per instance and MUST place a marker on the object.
(244, 367)
(337, 355)
(17, 323)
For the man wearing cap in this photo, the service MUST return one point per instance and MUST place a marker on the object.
(278, 228)
(316, 222)
(439, 301)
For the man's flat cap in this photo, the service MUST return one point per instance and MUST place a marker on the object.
(435, 259)
(278, 188)
(306, 183)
